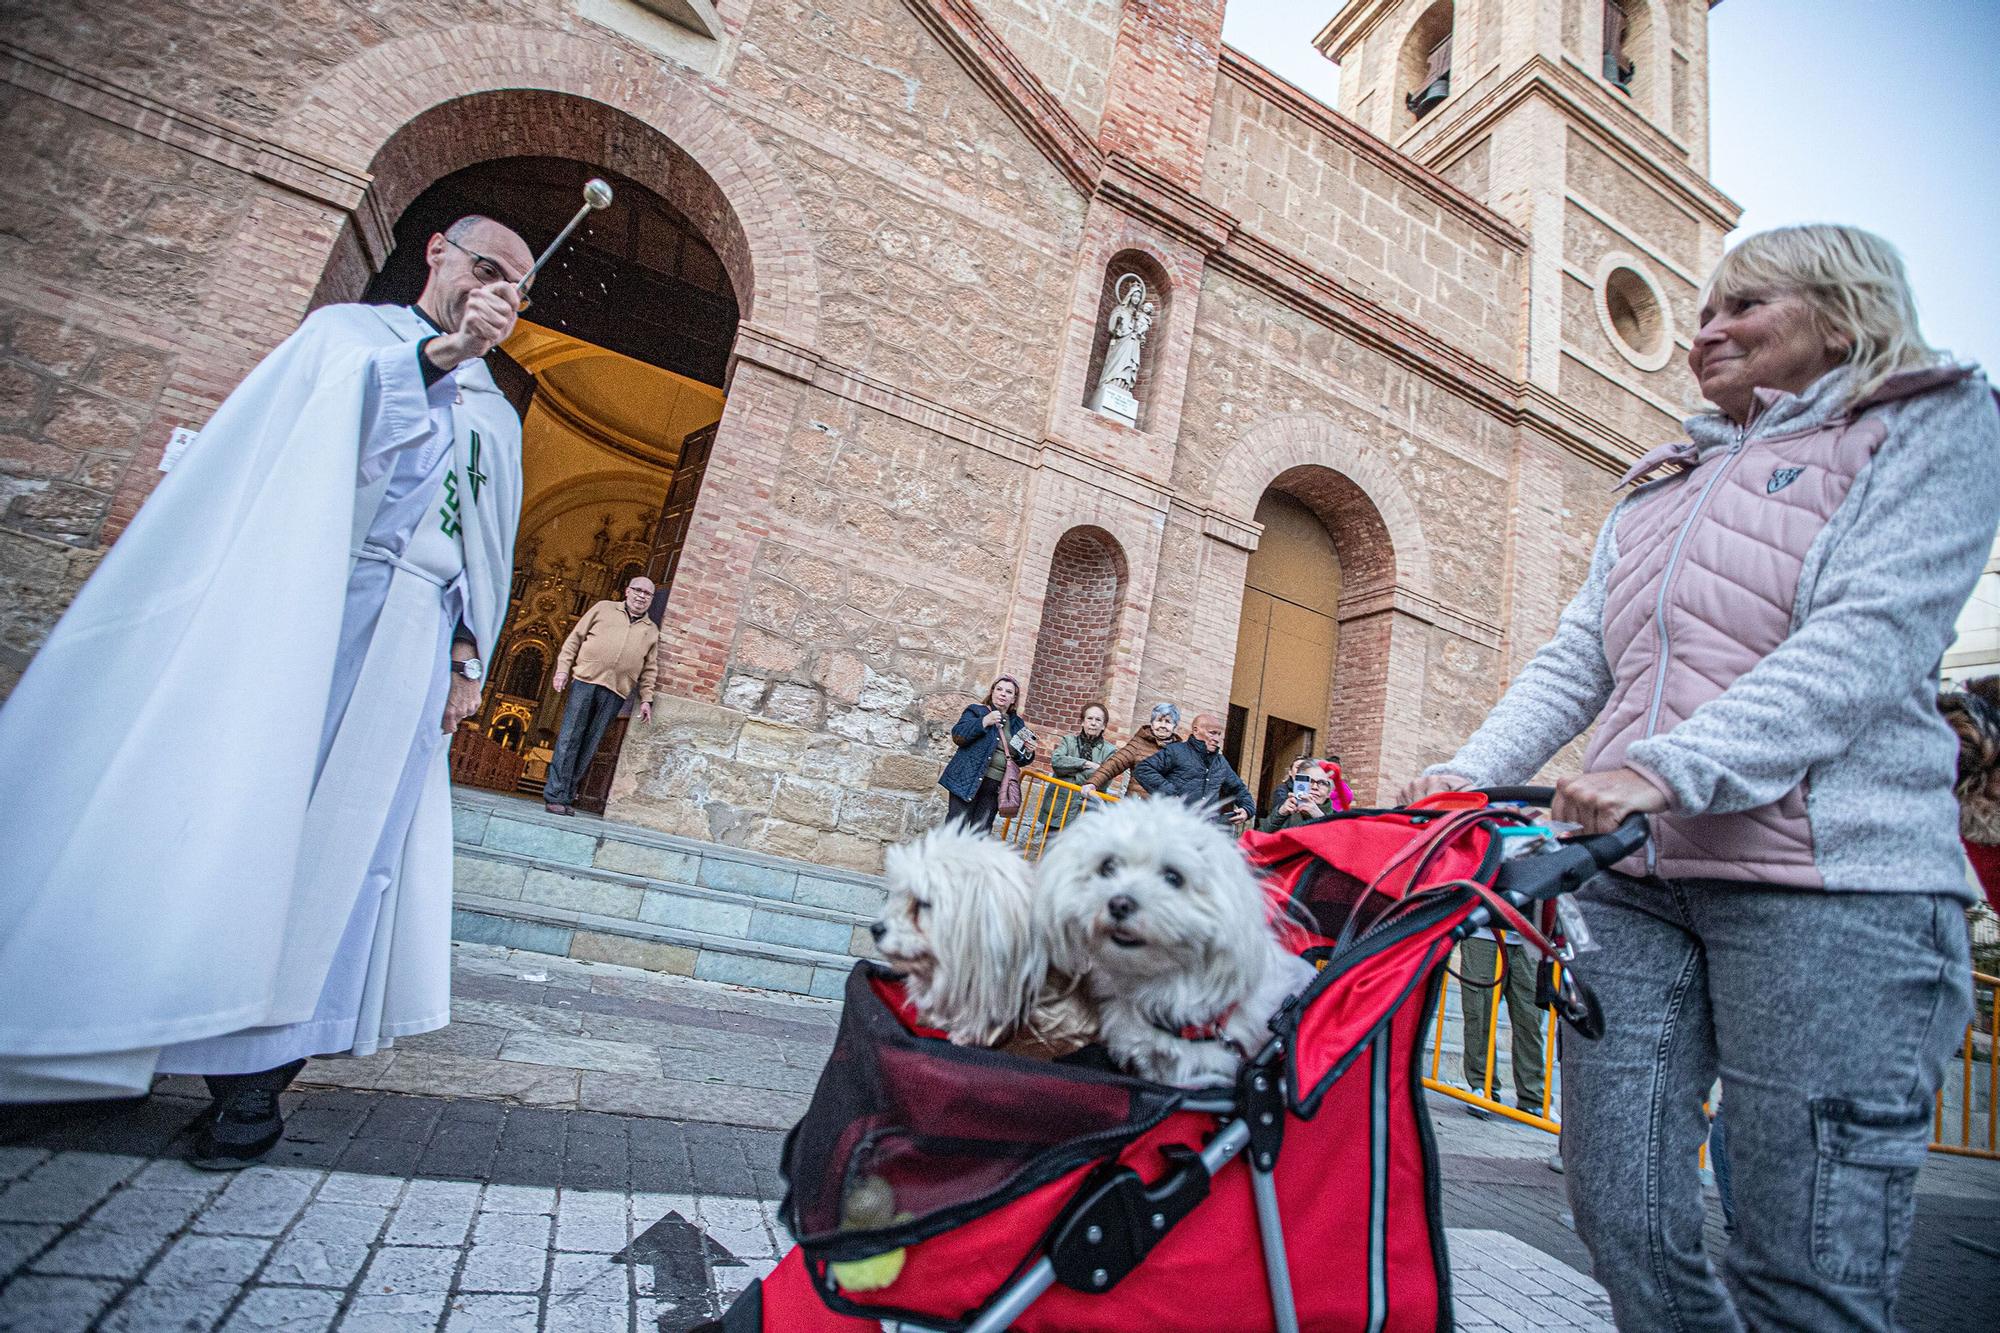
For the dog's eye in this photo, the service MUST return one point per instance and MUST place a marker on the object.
(1107, 866)
(1173, 878)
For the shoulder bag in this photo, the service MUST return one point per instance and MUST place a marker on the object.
(1010, 781)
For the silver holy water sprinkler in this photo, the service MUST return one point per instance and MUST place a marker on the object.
(596, 195)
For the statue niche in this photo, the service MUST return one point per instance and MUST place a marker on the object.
(1125, 332)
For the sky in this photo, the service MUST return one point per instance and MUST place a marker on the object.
(1882, 113)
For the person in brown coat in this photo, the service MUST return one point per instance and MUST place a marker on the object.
(1159, 730)
(614, 647)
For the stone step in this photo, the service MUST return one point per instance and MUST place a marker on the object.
(538, 882)
(689, 953)
(599, 889)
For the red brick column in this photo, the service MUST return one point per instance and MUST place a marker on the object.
(1162, 89)
(732, 516)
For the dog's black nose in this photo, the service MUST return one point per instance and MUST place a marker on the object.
(878, 929)
(1121, 907)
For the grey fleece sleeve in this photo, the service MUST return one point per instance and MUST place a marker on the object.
(1902, 554)
(1556, 696)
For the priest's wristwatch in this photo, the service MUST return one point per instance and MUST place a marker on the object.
(470, 668)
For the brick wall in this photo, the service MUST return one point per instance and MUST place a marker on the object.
(1163, 85)
(1079, 617)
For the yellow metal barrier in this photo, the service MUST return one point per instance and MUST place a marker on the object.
(1969, 1103)
(1047, 804)
(1483, 1097)
(1983, 1030)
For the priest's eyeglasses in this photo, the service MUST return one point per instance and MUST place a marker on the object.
(488, 271)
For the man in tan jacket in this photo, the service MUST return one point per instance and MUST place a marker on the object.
(615, 646)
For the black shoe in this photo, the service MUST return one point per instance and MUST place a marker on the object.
(237, 1130)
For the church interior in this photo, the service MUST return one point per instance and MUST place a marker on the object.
(618, 368)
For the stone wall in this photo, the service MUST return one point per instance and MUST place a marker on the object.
(1067, 43)
(1394, 233)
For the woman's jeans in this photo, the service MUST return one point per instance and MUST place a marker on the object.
(979, 812)
(1829, 1017)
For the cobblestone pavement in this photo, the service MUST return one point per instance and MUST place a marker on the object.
(518, 1192)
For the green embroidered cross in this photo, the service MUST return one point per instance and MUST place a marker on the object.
(473, 474)
(449, 510)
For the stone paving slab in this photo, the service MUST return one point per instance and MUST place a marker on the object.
(288, 1247)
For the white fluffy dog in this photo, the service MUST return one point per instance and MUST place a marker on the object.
(1153, 905)
(959, 923)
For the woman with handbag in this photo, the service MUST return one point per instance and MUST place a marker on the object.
(984, 778)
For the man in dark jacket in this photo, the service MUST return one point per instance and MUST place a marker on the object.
(1195, 771)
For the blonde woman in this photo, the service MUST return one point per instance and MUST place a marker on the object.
(1757, 643)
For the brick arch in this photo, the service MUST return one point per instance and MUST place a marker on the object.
(1378, 664)
(747, 213)
(1088, 577)
(1350, 487)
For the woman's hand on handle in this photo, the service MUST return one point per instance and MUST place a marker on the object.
(1424, 784)
(1601, 801)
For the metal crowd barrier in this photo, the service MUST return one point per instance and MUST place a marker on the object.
(1047, 804)
(1974, 1096)
(1483, 1097)
(1966, 1121)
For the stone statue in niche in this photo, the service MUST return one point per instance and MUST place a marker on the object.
(1131, 320)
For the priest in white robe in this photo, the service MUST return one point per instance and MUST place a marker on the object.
(224, 775)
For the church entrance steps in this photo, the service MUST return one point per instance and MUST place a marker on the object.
(610, 892)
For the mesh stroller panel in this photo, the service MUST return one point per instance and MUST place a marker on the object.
(908, 1136)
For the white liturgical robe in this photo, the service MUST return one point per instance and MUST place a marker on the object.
(234, 844)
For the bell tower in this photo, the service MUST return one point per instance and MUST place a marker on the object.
(1585, 123)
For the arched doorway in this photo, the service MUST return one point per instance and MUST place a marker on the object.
(618, 372)
(1287, 638)
(1080, 609)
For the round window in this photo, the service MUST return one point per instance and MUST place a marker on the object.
(1632, 309)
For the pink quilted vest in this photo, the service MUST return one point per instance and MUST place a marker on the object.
(1705, 585)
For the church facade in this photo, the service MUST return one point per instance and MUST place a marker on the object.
(933, 339)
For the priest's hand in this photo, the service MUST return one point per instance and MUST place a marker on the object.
(461, 703)
(484, 324)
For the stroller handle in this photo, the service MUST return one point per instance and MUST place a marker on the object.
(1541, 877)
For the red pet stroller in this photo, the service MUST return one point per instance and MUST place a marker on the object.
(943, 1187)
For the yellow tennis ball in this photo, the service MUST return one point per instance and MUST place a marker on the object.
(871, 1274)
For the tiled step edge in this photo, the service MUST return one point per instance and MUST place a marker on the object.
(585, 845)
(688, 953)
(528, 862)
(472, 811)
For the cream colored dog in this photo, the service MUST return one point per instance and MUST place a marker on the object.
(1151, 903)
(960, 926)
